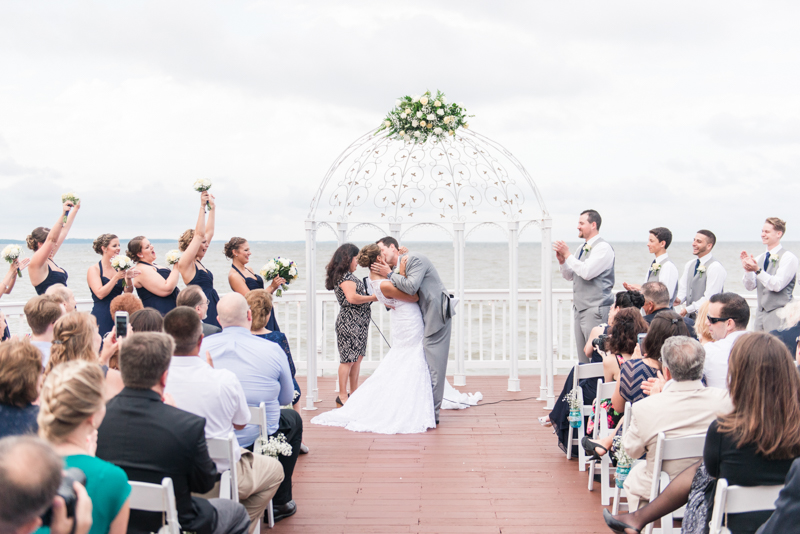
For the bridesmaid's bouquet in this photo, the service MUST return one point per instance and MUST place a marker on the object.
(11, 253)
(122, 263)
(69, 197)
(173, 257)
(280, 267)
(201, 186)
(274, 446)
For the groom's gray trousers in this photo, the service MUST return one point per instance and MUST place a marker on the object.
(437, 348)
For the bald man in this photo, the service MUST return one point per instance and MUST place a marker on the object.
(263, 370)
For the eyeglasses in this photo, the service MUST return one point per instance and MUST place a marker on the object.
(715, 320)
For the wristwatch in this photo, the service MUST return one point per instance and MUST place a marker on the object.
(389, 276)
(758, 272)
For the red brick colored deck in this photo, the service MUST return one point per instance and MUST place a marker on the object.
(490, 469)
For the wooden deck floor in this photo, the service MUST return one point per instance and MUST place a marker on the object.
(489, 469)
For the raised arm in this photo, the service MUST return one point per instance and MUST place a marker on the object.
(186, 263)
(409, 284)
(67, 227)
(212, 217)
(389, 291)
(39, 258)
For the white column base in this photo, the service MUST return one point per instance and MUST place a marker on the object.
(551, 402)
(316, 396)
(513, 384)
(542, 393)
(310, 402)
(459, 380)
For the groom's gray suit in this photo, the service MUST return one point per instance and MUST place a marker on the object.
(421, 276)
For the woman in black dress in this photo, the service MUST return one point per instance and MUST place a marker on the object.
(156, 286)
(105, 283)
(352, 323)
(194, 245)
(45, 242)
(243, 279)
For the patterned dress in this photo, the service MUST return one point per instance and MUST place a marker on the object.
(352, 323)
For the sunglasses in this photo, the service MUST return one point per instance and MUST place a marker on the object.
(715, 320)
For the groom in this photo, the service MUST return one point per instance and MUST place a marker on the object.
(434, 301)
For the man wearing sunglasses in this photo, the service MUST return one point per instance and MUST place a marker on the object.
(728, 315)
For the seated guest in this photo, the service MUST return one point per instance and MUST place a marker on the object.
(701, 331)
(787, 507)
(194, 297)
(217, 395)
(42, 312)
(146, 320)
(728, 315)
(656, 298)
(65, 295)
(72, 408)
(789, 330)
(20, 369)
(263, 371)
(685, 407)
(151, 440)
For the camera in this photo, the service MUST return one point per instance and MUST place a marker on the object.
(66, 492)
(599, 343)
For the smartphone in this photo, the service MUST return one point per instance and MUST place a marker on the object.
(121, 322)
(640, 340)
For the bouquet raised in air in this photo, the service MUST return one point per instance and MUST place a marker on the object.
(71, 197)
(201, 186)
(274, 446)
(122, 263)
(280, 267)
(11, 253)
(173, 256)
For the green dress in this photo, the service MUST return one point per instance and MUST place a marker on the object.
(107, 486)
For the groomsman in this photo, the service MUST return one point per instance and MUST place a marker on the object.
(592, 276)
(772, 275)
(662, 269)
(702, 277)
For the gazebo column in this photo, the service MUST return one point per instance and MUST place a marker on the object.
(311, 314)
(341, 233)
(394, 231)
(513, 304)
(459, 245)
(547, 302)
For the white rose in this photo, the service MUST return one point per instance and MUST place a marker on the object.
(416, 134)
(293, 271)
(407, 138)
(440, 112)
(437, 131)
(450, 132)
(402, 115)
(387, 123)
(419, 114)
(402, 133)
(444, 100)
(437, 104)
(414, 123)
(415, 98)
(422, 123)
(430, 117)
(397, 103)
(423, 100)
(461, 104)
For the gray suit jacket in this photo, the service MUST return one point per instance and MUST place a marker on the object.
(434, 300)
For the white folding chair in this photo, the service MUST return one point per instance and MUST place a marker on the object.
(156, 498)
(666, 450)
(619, 492)
(258, 416)
(740, 499)
(222, 449)
(587, 370)
(601, 430)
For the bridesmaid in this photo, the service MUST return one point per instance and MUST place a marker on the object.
(105, 283)
(242, 279)
(194, 244)
(45, 242)
(157, 286)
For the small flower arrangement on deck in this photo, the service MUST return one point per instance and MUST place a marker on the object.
(11, 253)
(624, 462)
(414, 119)
(575, 416)
(273, 446)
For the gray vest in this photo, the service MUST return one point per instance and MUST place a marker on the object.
(656, 277)
(772, 300)
(595, 292)
(696, 284)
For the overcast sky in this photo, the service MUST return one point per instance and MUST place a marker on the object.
(681, 114)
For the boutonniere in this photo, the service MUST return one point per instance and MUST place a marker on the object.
(655, 268)
(701, 270)
(774, 259)
(587, 248)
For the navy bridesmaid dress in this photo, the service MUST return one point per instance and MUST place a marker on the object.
(102, 307)
(258, 283)
(53, 278)
(205, 280)
(150, 300)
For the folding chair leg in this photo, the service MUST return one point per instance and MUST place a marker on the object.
(591, 475)
(270, 515)
(569, 443)
(605, 479)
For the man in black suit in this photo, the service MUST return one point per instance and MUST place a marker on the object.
(656, 299)
(151, 440)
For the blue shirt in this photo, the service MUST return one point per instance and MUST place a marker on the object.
(15, 421)
(261, 368)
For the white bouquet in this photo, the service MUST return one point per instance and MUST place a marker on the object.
(173, 257)
(623, 458)
(69, 197)
(417, 118)
(12, 253)
(273, 446)
(280, 267)
(122, 263)
(201, 186)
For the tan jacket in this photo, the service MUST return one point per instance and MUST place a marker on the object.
(681, 409)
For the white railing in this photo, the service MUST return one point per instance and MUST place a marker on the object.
(484, 314)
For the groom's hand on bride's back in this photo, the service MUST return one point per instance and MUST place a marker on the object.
(380, 267)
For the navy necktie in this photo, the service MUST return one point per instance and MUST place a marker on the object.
(766, 261)
(696, 265)
(580, 254)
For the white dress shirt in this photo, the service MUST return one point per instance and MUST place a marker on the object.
(715, 367)
(668, 275)
(599, 259)
(716, 281)
(787, 269)
(215, 394)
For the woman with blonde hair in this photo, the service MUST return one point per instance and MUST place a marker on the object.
(106, 283)
(243, 279)
(701, 324)
(45, 242)
(72, 407)
(194, 245)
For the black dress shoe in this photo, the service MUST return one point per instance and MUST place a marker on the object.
(437, 421)
(284, 510)
(615, 524)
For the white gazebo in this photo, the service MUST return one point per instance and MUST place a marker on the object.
(457, 185)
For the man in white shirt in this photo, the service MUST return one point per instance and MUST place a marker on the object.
(728, 315)
(592, 276)
(702, 277)
(42, 312)
(772, 275)
(217, 395)
(662, 269)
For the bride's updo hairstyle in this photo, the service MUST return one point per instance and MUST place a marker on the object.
(369, 255)
(102, 242)
(37, 237)
(232, 245)
(135, 247)
(339, 265)
(185, 240)
(72, 393)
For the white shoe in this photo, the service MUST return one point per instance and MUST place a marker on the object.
(303, 448)
(545, 421)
